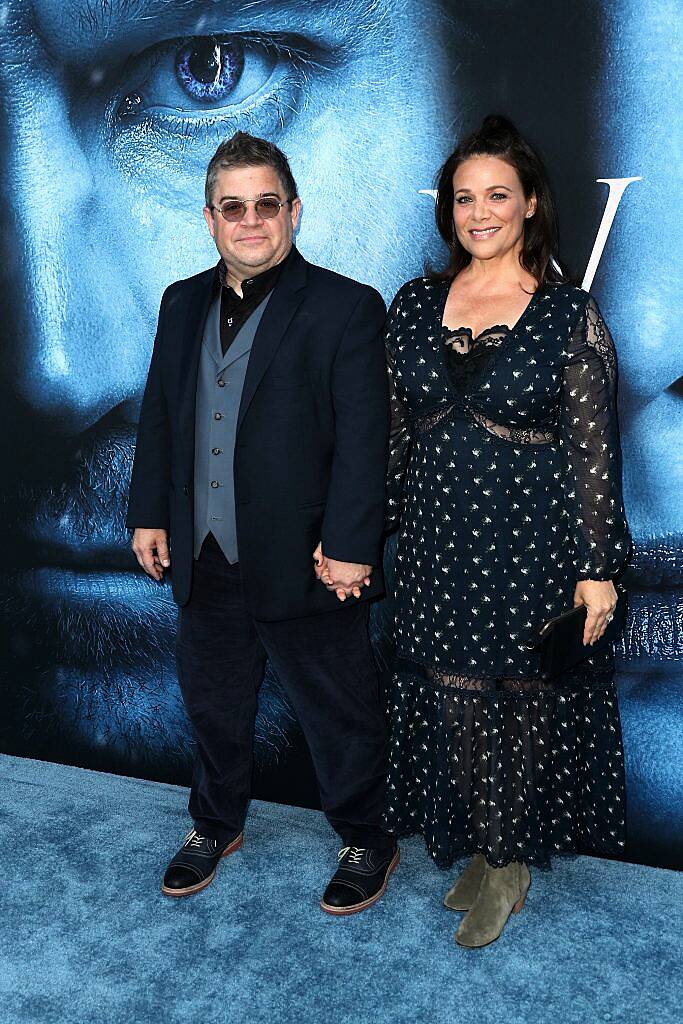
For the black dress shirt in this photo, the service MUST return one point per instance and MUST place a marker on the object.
(235, 310)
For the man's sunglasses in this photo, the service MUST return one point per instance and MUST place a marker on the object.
(266, 207)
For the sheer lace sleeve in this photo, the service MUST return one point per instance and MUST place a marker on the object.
(399, 438)
(589, 438)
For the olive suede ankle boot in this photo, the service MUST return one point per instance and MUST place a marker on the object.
(502, 892)
(463, 894)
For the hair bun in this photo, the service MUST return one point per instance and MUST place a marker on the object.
(496, 124)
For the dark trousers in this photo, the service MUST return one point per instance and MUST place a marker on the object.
(324, 663)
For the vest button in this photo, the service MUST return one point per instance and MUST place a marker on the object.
(221, 383)
(218, 416)
(214, 483)
(215, 451)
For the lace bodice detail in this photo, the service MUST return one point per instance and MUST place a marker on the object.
(469, 358)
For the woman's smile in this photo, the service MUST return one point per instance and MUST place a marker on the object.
(477, 233)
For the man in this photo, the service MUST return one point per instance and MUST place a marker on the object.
(262, 445)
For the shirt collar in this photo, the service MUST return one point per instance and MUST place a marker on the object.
(261, 283)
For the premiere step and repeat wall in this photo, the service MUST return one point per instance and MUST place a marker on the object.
(107, 124)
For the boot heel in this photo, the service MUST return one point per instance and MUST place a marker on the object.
(519, 904)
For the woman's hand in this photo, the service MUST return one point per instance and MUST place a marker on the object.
(600, 598)
(344, 578)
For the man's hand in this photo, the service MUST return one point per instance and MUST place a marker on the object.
(151, 551)
(600, 599)
(344, 578)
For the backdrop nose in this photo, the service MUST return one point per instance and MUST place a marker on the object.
(68, 309)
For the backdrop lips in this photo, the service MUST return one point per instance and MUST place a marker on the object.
(657, 563)
(654, 629)
(67, 585)
(654, 578)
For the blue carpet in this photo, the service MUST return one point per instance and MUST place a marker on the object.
(87, 936)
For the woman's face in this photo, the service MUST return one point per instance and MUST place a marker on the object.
(489, 207)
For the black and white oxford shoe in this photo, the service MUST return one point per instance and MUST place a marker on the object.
(360, 879)
(194, 865)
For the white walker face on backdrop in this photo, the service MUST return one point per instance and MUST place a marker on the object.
(109, 117)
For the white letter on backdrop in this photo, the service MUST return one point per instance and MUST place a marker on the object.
(617, 187)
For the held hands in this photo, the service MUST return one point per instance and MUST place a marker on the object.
(600, 599)
(344, 578)
(151, 551)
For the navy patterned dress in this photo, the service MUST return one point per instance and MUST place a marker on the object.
(505, 478)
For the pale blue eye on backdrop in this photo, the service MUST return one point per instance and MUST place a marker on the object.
(192, 78)
(208, 70)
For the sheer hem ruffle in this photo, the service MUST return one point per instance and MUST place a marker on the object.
(513, 775)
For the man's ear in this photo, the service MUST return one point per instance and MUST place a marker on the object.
(208, 217)
(296, 212)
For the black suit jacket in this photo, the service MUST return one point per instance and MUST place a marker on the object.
(312, 437)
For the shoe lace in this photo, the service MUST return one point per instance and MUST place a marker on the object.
(193, 840)
(354, 854)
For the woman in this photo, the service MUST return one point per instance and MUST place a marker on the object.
(505, 476)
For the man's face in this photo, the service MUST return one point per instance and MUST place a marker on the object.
(109, 114)
(253, 243)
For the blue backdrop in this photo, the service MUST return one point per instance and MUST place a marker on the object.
(107, 124)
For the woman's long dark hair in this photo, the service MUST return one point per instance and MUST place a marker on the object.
(499, 137)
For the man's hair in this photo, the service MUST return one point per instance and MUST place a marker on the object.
(243, 150)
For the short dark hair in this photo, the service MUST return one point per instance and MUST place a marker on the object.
(244, 150)
(499, 137)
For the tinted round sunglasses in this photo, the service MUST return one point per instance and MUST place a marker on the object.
(266, 207)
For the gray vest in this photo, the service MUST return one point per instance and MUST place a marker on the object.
(219, 391)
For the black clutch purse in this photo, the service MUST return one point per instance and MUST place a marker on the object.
(560, 640)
